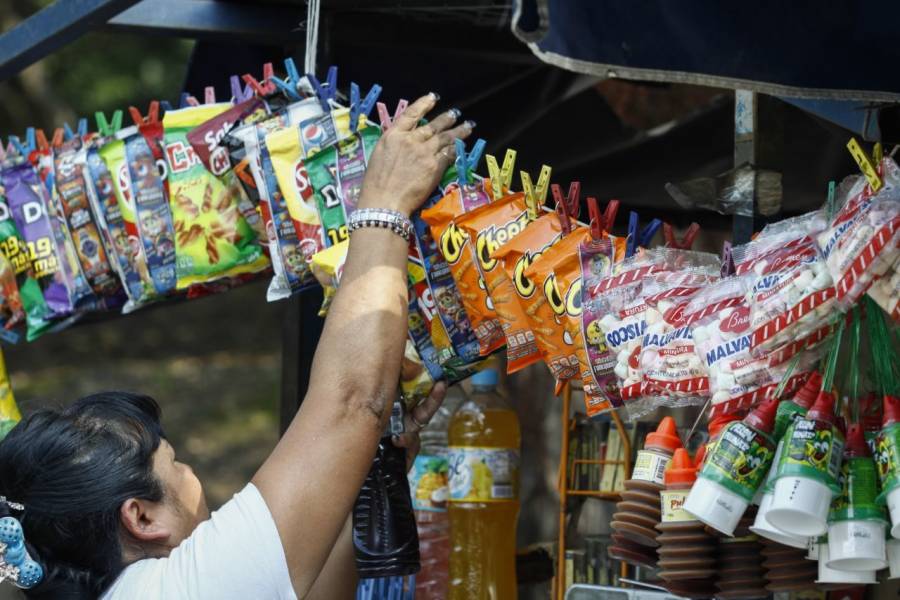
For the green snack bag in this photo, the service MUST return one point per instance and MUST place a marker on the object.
(212, 238)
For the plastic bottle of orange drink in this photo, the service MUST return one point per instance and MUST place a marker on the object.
(484, 494)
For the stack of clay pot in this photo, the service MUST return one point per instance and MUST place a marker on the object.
(787, 568)
(740, 570)
(687, 551)
(634, 522)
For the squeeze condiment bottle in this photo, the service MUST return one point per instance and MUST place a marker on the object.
(734, 470)
(807, 475)
(787, 411)
(687, 552)
(856, 523)
(887, 460)
(714, 429)
(638, 513)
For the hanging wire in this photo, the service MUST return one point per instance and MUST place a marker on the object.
(828, 377)
(312, 35)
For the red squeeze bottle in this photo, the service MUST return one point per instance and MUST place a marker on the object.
(891, 411)
(714, 428)
(823, 408)
(856, 442)
(762, 418)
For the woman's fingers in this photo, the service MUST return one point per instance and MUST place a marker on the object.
(446, 142)
(421, 414)
(416, 111)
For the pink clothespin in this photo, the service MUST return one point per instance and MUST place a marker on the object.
(384, 116)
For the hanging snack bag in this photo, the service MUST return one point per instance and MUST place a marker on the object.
(12, 312)
(885, 291)
(26, 201)
(139, 284)
(555, 314)
(618, 298)
(453, 337)
(792, 295)
(491, 227)
(671, 369)
(72, 183)
(9, 411)
(212, 238)
(458, 251)
(514, 287)
(719, 319)
(862, 241)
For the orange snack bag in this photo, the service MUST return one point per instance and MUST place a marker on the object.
(459, 253)
(550, 308)
(514, 288)
(492, 227)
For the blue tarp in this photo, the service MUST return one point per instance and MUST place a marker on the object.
(844, 50)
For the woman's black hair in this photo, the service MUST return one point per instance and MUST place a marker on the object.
(73, 469)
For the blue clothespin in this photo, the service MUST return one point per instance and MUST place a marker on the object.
(288, 86)
(361, 108)
(186, 100)
(81, 132)
(467, 161)
(638, 237)
(28, 147)
(325, 92)
(165, 105)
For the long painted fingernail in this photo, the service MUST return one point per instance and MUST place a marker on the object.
(471, 124)
(435, 95)
(455, 113)
(395, 439)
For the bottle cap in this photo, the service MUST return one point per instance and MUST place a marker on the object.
(823, 408)
(665, 437)
(891, 410)
(681, 471)
(763, 416)
(807, 394)
(856, 442)
(485, 378)
(717, 423)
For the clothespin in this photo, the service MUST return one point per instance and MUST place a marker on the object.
(361, 108)
(567, 208)
(535, 195)
(81, 131)
(165, 105)
(601, 223)
(686, 241)
(152, 114)
(11, 149)
(30, 144)
(637, 237)
(55, 142)
(267, 86)
(501, 177)
(187, 100)
(467, 161)
(288, 86)
(384, 117)
(865, 165)
(325, 92)
(727, 259)
(240, 93)
(209, 95)
(108, 128)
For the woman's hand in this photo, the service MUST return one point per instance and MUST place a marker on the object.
(416, 419)
(409, 159)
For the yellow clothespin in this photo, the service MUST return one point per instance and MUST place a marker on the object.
(501, 177)
(877, 154)
(535, 195)
(865, 164)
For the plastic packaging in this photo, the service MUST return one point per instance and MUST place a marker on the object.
(484, 494)
(887, 460)
(33, 306)
(9, 410)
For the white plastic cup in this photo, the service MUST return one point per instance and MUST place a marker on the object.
(856, 546)
(763, 528)
(829, 575)
(893, 557)
(715, 505)
(800, 506)
(893, 506)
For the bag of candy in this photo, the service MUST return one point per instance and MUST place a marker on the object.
(671, 370)
(212, 238)
(862, 241)
(719, 320)
(9, 411)
(885, 291)
(73, 183)
(12, 313)
(792, 295)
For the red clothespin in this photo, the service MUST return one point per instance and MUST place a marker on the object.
(152, 114)
(40, 141)
(59, 135)
(384, 116)
(267, 86)
(686, 242)
(601, 223)
(567, 208)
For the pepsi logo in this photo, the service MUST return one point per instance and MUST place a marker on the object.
(313, 134)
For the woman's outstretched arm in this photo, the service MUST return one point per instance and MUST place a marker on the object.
(315, 472)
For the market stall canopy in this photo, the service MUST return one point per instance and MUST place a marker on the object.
(839, 51)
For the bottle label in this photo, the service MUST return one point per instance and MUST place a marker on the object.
(428, 483)
(483, 474)
(812, 449)
(740, 460)
(858, 492)
(887, 457)
(650, 466)
(672, 505)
